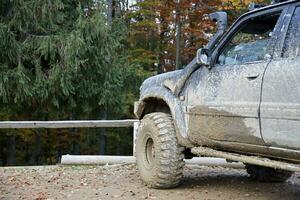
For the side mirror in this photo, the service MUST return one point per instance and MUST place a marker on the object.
(203, 57)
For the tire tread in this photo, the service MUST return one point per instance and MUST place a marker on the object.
(170, 165)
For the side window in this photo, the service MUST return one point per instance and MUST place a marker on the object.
(251, 41)
(292, 41)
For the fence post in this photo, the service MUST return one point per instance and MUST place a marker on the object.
(135, 132)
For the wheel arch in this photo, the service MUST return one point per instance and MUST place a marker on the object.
(151, 103)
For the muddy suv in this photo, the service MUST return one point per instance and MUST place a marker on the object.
(239, 99)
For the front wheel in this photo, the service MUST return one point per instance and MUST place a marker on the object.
(266, 174)
(159, 156)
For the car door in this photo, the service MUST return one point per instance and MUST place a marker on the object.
(280, 106)
(223, 103)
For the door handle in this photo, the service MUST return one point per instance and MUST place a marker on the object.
(252, 76)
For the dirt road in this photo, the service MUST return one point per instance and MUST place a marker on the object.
(122, 182)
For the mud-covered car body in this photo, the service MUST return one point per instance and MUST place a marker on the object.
(247, 99)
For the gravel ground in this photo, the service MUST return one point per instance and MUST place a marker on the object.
(122, 182)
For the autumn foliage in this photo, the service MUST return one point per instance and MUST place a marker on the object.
(153, 29)
(86, 59)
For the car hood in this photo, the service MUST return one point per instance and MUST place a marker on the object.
(174, 81)
(162, 80)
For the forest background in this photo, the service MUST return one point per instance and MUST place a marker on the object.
(86, 59)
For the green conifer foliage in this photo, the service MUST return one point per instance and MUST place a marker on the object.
(60, 53)
(59, 60)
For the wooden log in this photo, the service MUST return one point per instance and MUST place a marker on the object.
(67, 124)
(111, 160)
(96, 160)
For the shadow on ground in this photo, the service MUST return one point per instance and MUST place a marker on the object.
(224, 183)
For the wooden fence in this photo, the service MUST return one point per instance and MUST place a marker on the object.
(68, 124)
(86, 159)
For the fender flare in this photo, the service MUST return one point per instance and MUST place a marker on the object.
(176, 108)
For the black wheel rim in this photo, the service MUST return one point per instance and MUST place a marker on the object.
(150, 152)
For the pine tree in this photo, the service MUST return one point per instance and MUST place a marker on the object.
(60, 59)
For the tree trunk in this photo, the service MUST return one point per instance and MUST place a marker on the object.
(161, 45)
(58, 145)
(178, 37)
(127, 5)
(103, 113)
(11, 150)
(110, 11)
(76, 146)
(2, 153)
(34, 159)
(74, 138)
(119, 149)
(102, 142)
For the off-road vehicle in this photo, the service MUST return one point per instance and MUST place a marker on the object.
(239, 99)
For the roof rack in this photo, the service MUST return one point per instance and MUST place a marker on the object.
(278, 1)
(253, 6)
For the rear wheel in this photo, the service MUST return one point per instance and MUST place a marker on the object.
(265, 174)
(159, 156)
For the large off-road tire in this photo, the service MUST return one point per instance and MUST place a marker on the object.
(265, 174)
(159, 156)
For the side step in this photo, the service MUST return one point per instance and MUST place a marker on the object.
(254, 160)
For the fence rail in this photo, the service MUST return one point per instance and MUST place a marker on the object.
(88, 160)
(73, 124)
(68, 124)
